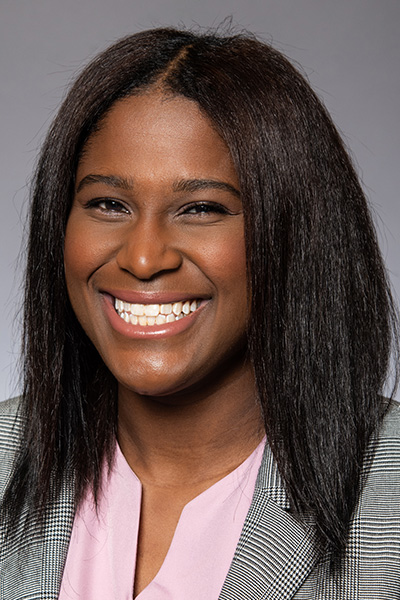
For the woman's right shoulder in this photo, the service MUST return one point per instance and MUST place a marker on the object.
(10, 407)
(11, 426)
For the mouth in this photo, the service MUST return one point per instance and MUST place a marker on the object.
(147, 315)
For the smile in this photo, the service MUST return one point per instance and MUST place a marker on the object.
(154, 314)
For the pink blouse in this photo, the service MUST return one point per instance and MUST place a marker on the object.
(102, 552)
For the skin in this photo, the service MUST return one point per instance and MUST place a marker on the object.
(187, 410)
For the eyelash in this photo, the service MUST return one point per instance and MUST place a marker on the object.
(114, 206)
(196, 208)
(205, 208)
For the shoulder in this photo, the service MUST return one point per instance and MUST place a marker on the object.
(9, 408)
(387, 441)
(382, 484)
(11, 425)
(391, 423)
(375, 532)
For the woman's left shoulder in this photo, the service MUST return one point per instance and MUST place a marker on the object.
(383, 466)
(391, 421)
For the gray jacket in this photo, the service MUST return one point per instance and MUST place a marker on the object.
(275, 559)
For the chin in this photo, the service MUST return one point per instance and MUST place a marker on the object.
(156, 387)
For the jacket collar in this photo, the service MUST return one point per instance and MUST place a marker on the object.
(276, 552)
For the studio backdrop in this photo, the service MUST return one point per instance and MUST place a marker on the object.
(349, 49)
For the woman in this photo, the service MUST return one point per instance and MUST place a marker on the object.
(202, 273)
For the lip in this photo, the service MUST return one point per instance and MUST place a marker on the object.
(148, 331)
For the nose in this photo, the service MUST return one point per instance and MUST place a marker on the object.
(148, 249)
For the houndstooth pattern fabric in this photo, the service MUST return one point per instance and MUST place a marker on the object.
(276, 558)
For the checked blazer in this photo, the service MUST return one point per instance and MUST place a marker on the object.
(276, 558)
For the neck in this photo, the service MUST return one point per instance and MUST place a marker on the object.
(193, 437)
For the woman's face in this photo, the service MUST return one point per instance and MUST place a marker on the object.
(154, 249)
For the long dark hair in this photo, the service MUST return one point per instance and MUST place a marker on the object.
(322, 323)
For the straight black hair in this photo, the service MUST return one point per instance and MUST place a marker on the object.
(322, 324)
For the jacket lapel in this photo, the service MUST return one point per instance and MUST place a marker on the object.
(56, 540)
(275, 553)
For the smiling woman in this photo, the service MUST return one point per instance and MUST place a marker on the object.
(208, 330)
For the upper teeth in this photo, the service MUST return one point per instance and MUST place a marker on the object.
(154, 314)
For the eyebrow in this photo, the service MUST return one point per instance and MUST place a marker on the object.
(113, 181)
(194, 185)
(184, 185)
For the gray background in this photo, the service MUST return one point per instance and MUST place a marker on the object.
(350, 50)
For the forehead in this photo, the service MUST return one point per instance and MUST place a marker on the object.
(152, 131)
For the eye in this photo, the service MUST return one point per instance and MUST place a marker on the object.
(205, 208)
(107, 205)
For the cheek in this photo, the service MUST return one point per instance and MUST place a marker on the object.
(83, 252)
(234, 257)
(80, 260)
(82, 257)
(236, 270)
(229, 258)
(225, 265)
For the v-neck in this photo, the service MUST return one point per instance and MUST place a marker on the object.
(102, 553)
